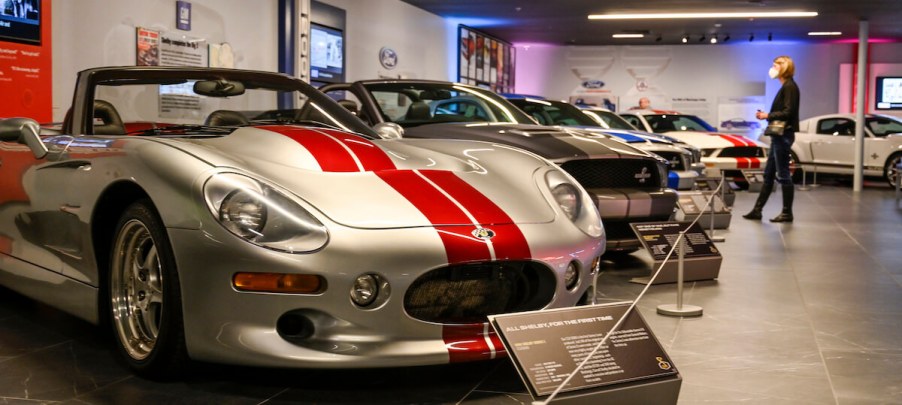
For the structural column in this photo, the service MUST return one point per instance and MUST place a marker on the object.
(860, 104)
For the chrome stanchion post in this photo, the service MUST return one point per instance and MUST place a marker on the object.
(712, 206)
(814, 181)
(679, 309)
(803, 187)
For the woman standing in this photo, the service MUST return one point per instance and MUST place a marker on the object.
(784, 108)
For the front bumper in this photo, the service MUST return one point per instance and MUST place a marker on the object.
(227, 326)
(621, 206)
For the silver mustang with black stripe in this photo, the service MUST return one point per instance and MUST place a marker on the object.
(203, 219)
(627, 184)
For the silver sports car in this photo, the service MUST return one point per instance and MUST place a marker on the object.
(244, 217)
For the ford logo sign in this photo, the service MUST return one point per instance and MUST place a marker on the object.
(593, 84)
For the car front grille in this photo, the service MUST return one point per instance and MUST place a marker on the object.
(467, 293)
(742, 151)
(675, 158)
(614, 173)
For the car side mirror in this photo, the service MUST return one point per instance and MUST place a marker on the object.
(389, 130)
(23, 130)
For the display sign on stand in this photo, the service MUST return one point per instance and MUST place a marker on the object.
(547, 346)
(755, 178)
(691, 203)
(702, 258)
(710, 184)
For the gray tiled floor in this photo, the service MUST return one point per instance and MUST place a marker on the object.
(802, 313)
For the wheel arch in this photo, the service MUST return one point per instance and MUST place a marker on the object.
(110, 206)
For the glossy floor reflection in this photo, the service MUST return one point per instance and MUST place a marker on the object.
(802, 313)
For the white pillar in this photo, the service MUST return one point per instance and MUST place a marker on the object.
(860, 105)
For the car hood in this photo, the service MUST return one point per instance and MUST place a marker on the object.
(384, 184)
(555, 143)
(714, 140)
(628, 136)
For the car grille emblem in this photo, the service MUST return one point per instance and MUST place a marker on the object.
(483, 233)
(643, 175)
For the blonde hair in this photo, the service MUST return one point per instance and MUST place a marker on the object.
(787, 66)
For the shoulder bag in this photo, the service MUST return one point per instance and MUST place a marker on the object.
(775, 128)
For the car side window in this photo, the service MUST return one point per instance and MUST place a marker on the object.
(836, 126)
(884, 126)
(633, 120)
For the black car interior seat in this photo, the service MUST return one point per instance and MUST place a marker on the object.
(349, 105)
(106, 119)
(418, 111)
(226, 118)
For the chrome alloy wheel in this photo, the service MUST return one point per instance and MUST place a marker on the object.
(136, 290)
(891, 170)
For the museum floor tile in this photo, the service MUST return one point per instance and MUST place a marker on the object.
(801, 313)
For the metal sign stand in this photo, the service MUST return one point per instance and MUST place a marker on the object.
(679, 309)
(711, 235)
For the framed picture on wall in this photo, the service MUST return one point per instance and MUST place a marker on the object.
(485, 61)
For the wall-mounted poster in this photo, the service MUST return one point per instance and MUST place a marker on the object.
(485, 61)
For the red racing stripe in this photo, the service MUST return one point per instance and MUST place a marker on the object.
(754, 163)
(742, 163)
(460, 245)
(468, 342)
(740, 139)
(509, 242)
(328, 152)
(732, 140)
(371, 156)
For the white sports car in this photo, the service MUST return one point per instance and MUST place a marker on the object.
(828, 142)
(729, 153)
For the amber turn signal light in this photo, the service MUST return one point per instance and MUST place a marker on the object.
(279, 283)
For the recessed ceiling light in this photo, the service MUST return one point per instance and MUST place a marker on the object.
(628, 35)
(714, 39)
(647, 16)
(685, 38)
(816, 33)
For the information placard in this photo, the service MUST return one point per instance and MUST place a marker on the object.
(660, 237)
(546, 346)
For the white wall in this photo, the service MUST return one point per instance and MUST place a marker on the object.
(703, 71)
(420, 38)
(91, 33)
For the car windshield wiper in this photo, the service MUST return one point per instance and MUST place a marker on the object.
(186, 129)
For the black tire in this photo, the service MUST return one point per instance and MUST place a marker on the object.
(145, 305)
(889, 169)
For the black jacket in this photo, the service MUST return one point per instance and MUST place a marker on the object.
(786, 105)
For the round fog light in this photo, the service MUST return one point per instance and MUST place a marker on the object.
(571, 276)
(364, 290)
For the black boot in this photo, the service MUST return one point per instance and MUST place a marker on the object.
(786, 214)
(755, 213)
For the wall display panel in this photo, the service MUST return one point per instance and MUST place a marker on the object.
(326, 54)
(888, 93)
(26, 60)
(485, 61)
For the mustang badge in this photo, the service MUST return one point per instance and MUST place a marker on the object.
(483, 233)
(643, 175)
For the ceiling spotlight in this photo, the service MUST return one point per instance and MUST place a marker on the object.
(824, 33)
(751, 37)
(726, 38)
(770, 36)
(628, 35)
(685, 38)
(714, 39)
(659, 38)
(702, 39)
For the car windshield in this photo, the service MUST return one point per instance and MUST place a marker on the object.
(677, 122)
(883, 126)
(414, 104)
(609, 120)
(209, 102)
(553, 112)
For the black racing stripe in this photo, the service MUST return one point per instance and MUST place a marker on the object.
(542, 141)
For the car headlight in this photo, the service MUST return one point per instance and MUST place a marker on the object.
(663, 171)
(574, 202)
(262, 215)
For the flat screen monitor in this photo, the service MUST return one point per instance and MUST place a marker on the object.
(326, 54)
(889, 93)
(20, 21)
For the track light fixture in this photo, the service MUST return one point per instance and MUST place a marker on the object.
(702, 39)
(714, 39)
(751, 37)
(726, 38)
(770, 36)
(659, 38)
(685, 38)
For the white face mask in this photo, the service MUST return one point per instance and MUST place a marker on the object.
(773, 72)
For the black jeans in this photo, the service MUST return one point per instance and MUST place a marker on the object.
(778, 158)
